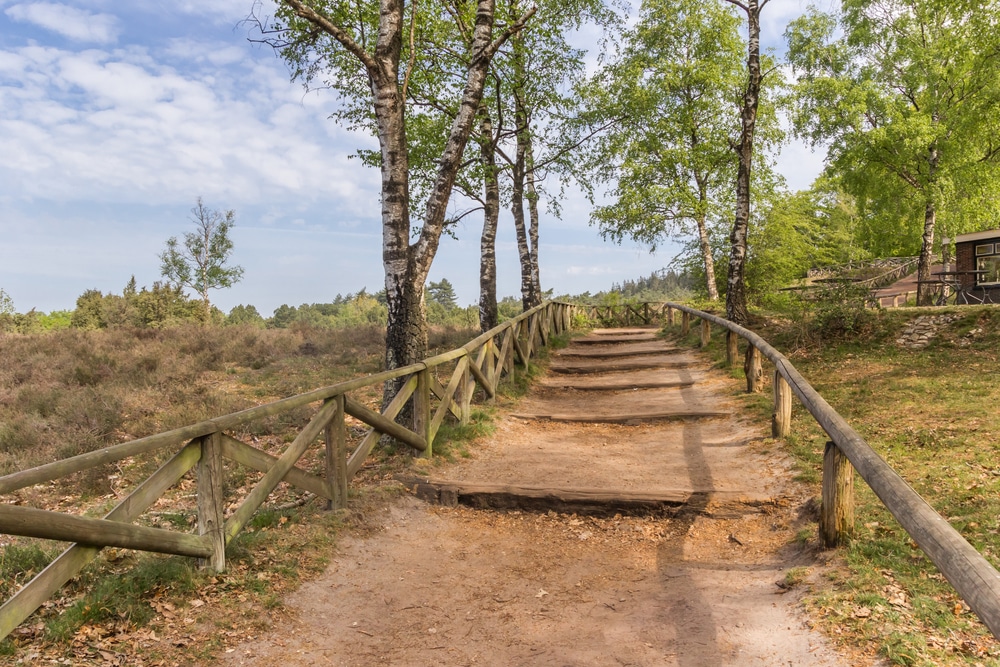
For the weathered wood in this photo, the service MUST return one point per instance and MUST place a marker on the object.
(836, 522)
(505, 361)
(781, 417)
(211, 500)
(259, 493)
(732, 348)
(634, 418)
(336, 457)
(975, 579)
(468, 388)
(453, 385)
(387, 426)
(483, 378)
(752, 369)
(68, 564)
(670, 315)
(395, 406)
(685, 323)
(617, 353)
(617, 386)
(569, 369)
(706, 333)
(244, 454)
(449, 403)
(522, 355)
(421, 413)
(580, 500)
(31, 522)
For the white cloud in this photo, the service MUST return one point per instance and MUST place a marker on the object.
(115, 125)
(70, 22)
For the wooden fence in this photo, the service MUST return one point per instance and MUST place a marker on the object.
(972, 576)
(203, 446)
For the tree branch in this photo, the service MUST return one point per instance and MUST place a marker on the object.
(306, 12)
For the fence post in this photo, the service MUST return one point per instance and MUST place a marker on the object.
(752, 369)
(670, 316)
(781, 418)
(836, 521)
(706, 332)
(491, 369)
(732, 348)
(336, 457)
(685, 323)
(466, 389)
(422, 410)
(211, 501)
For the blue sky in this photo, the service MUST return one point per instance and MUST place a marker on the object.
(115, 116)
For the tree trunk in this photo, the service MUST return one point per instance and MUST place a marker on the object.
(536, 286)
(925, 291)
(706, 247)
(736, 297)
(488, 316)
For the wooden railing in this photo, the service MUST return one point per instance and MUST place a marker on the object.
(203, 446)
(973, 577)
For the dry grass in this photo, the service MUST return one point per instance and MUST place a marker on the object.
(69, 392)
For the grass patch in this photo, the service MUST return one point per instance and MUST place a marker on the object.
(931, 414)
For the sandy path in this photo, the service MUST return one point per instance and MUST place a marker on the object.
(457, 586)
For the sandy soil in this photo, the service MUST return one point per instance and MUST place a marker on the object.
(702, 586)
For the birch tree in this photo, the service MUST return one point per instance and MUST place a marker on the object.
(905, 93)
(736, 295)
(672, 95)
(370, 53)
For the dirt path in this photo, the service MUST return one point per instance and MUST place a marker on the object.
(693, 586)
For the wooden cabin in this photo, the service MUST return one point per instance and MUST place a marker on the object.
(977, 263)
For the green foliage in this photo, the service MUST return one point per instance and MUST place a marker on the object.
(443, 294)
(6, 303)
(903, 93)
(797, 232)
(201, 263)
(159, 306)
(245, 315)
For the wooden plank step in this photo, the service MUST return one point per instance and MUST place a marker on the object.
(609, 340)
(486, 495)
(618, 386)
(616, 352)
(579, 369)
(640, 417)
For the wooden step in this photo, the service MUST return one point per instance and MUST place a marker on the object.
(614, 353)
(636, 418)
(579, 369)
(617, 386)
(486, 495)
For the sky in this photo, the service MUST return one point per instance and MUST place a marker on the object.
(116, 116)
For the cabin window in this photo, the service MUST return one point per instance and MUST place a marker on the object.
(984, 249)
(991, 266)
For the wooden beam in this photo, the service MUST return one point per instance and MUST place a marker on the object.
(251, 457)
(387, 426)
(752, 369)
(456, 378)
(395, 406)
(31, 522)
(706, 333)
(480, 377)
(273, 477)
(336, 458)
(837, 511)
(211, 500)
(781, 417)
(67, 565)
